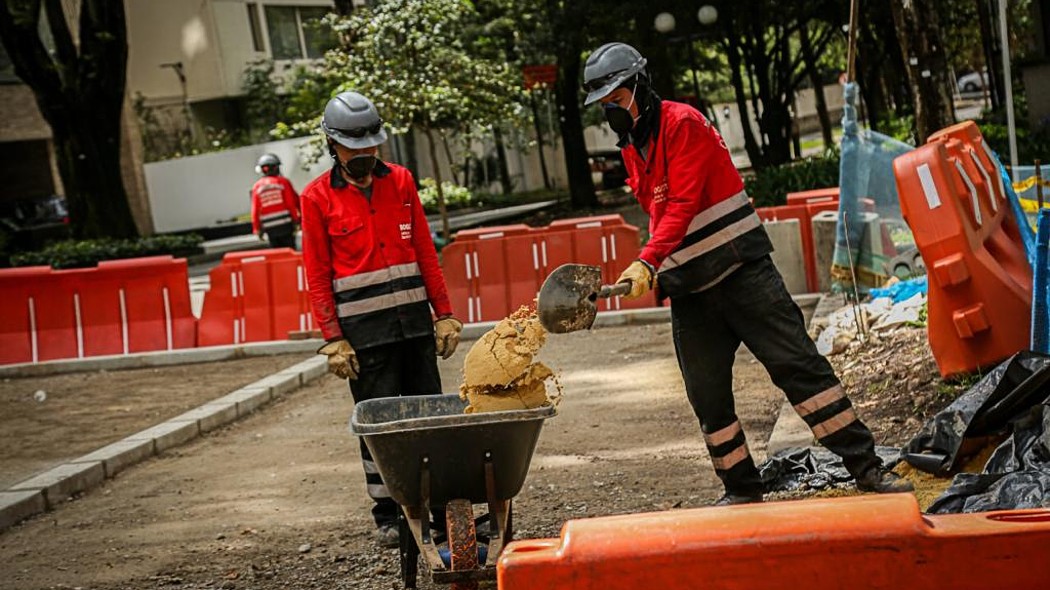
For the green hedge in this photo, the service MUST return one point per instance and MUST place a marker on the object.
(88, 253)
(770, 186)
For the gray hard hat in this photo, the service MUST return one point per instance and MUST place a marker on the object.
(608, 67)
(353, 121)
(265, 162)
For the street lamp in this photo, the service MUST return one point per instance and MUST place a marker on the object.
(665, 23)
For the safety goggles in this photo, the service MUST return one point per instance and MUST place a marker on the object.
(599, 83)
(359, 132)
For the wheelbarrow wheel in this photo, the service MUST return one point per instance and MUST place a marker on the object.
(462, 540)
(409, 552)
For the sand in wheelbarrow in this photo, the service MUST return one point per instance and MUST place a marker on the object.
(500, 371)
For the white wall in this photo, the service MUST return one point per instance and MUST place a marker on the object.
(201, 191)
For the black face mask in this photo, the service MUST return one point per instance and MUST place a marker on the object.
(359, 167)
(619, 118)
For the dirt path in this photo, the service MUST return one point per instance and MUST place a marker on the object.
(45, 421)
(277, 500)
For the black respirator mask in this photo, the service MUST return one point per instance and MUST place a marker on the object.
(618, 117)
(357, 167)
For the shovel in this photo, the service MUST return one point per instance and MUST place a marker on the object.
(567, 299)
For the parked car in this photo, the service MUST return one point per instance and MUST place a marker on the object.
(973, 82)
(33, 222)
(607, 169)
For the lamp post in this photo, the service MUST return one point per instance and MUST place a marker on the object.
(665, 23)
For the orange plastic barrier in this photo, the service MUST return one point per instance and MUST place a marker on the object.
(843, 543)
(490, 272)
(980, 282)
(255, 296)
(820, 195)
(119, 307)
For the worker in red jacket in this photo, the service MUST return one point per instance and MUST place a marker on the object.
(376, 289)
(709, 253)
(275, 206)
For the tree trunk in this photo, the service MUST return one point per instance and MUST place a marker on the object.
(920, 37)
(568, 20)
(451, 160)
(501, 157)
(754, 152)
(79, 90)
(539, 140)
(810, 61)
(988, 46)
(344, 7)
(442, 210)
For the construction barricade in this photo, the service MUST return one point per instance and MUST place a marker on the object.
(490, 272)
(118, 307)
(861, 542)
(255, 296)
(804, 213)
(980, 286)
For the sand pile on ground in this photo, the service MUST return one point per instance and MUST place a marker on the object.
(929, 487)
(499, 372)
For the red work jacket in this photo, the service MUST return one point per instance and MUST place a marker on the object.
(275, 206)
(371, 265)
(702, 225)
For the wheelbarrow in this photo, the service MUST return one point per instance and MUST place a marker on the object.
(431, 454)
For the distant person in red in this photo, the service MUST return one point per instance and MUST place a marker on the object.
(275, 204)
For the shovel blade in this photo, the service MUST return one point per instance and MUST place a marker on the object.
(567, 298)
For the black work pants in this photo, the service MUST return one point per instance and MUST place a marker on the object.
(408, 367)
(281, 237)
(753, 306)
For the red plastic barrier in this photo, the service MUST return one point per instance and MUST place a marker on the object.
(490, 272)
(119, 307)
(980, 282)
(840, 543)
(255, 296)
(820, 195)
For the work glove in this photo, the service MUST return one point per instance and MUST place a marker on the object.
(446, 333)
(640, 276)
(342, 360)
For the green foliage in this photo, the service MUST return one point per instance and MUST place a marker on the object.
(416, 61)
(87, 253)
(770, 186)
(456, 196)
(901, 128)
(265, 104)
(1031, 144)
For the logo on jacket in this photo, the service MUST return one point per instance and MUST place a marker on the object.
(406, 231)
(660, 192)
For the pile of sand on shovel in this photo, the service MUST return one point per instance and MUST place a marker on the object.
(499, 372)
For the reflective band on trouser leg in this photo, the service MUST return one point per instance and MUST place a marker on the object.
(827, 412)
(376, 488)
(273, 220)
(727, 446)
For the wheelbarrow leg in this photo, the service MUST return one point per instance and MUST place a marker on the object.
(409, 552)
(499, 514)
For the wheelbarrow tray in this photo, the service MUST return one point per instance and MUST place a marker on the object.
(404, 434)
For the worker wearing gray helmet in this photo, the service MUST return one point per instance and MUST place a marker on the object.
(275, 205)
(375, 285)
(709, 253)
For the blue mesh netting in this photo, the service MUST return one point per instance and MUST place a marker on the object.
(866, 172)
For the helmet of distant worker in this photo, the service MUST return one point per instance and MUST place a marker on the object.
(268, 165)
(610, 67)
(350, 120)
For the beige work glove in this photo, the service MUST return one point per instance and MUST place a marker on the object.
(640, 277)
(342, 360)
(446, 333)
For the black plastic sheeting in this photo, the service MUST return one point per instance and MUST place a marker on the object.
(1007, 392)
(1011, 401)
(812, 468)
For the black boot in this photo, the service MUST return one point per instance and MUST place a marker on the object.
(883, 481)
(728, 499)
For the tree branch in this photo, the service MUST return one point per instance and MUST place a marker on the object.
(65, 49)
(20, 36)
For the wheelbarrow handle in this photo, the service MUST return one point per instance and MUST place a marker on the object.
(614, 290)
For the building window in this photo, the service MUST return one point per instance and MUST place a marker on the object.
(295, 32)
(253, 23)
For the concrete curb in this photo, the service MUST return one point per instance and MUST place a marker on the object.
(46, 490)
(161, 358)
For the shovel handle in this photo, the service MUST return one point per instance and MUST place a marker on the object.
(616, 290)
